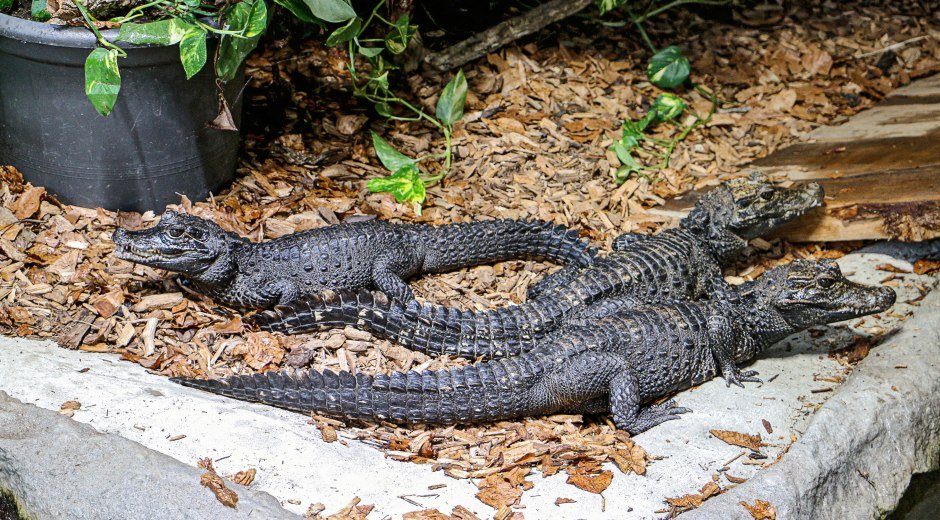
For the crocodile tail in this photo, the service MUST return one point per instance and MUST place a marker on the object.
(455, 246)
(432, 329)
(482, 392)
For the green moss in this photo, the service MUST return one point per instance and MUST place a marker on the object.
(9, 508)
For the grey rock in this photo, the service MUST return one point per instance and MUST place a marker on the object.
(862, 447)
(57, 468)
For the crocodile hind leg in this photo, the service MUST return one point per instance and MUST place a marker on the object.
(629, 415)
(386, 279)
(580, 386)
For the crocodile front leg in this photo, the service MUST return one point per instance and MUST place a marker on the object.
(625, 404)
(721, 340)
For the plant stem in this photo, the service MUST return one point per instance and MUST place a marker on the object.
(90, 22)
(685, 132)
(649, 14)
(639, 25)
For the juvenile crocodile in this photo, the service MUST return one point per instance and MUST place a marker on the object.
(619, 363)
(680, 263)
(373, 254)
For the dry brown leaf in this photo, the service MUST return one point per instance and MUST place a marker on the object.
(695, 500)
(327, 432)
(891, 268)
(592, 484)
(28, 203)
(245, 477)
(352, 511)
(924, 266)
(502, 489)
(761, 510)
(231, 326)
(425, 514)
(214, 482)
(744, 440)
(562, 500)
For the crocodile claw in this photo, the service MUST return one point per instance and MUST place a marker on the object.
(737, 377)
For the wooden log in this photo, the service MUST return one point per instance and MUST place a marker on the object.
(880, 171)
(485, 42)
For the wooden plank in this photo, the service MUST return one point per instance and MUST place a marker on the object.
(880, 170)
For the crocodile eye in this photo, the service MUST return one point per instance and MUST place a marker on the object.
(825, 283)
(175, 232)
(767, 195)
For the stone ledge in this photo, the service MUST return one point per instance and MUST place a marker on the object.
(863, 445)
(88, 474)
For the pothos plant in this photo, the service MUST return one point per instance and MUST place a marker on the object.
(186, 23)
(369, 67)
(667, 69)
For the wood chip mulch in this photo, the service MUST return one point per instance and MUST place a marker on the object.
(533, 144)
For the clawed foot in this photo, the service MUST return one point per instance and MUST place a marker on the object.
(734, 375)
(650, 416)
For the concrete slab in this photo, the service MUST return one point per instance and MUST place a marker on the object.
(58, 468)
(297, 467)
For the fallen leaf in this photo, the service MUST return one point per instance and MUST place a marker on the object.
(761, 510)
(924, 266)
(695, 500)
(245, 477)
(28, 203)
(500, 489)
(744, 440)
(592, 484)
(327, 432)
(214, 482)
(562, 500)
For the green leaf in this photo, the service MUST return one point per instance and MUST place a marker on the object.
(163, 32)
(102, 79)
(345, 33)
(193, 51)
(397, 40)
(334, 11)
(300, 10)
(635, 128)
(257, 19)
(5, 4)
(392, 159)
(383, 109)
(668, 68)
(453, 97)
(628, 167)
(405, 184)
(380, 83)
(370, 52)
(667, 107)
(243, 17)
(38, 11)
(609, 5)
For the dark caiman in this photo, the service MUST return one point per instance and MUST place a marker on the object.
(679, 263)
(373, 254)
(617, 364)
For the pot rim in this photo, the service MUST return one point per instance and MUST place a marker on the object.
(29, 31)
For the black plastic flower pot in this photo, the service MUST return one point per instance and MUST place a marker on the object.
(155, 146)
